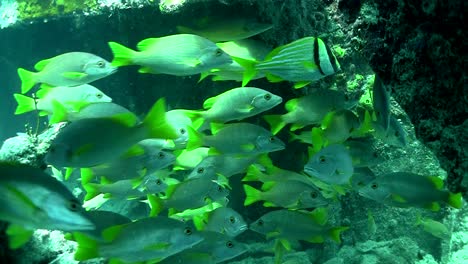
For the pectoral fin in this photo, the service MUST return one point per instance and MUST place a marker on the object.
(74, 75)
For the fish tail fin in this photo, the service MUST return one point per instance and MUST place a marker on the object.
(335, 233)
(455, 200)
(87, 247)
(25, 104)
(196, 117)
(156, 204)
(249, 69)
(18, 236)
(92, 191)
(276, 123)
(59, 113)
(87, 175)
(122, 55)
(253, 174)
(156, 122)
(195, 139)
(27, 80)
(252, 195)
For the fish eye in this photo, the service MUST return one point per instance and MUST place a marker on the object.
(218, 52)
(260, 222)
(99, 95)
(158, 182)
(313, 195)
(200, 170)
(374, 186)
(267, 97)
(161, 155)
(188, 231)
(52, 149)
(73, 205)
(322, 159)
(272, 139)
(375, 154)
(220, 189)
(346, 97)
(182, 131)
(229, 244)
(101, 64)
(232, 219)
(397, 134)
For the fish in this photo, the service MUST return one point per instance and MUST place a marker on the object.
(301, 61)
(290, 194)
(95, 110)
(364, 152)
(406, 189)
(395, 135)
(139, 161)
(215, 248)
(68, 69)
(71, 98)
(236, 138)
(225, 165)
(32, 199)
(120, 189)
(188, 194)
(273, 174)
(332, 165)
(307, 110)
(246, 49)
(148, 239)
(179, 55)
(236, 104)
(179, 120)
(311, 227)
(101, 220)
(94, 141)
(361, 177)
(218, 29)
(381, 103)
(223, 220)
(338, 126)
(433, 227)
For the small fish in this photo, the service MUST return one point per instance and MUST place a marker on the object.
(139, 161)
(103, 220)
(361, 177)
(70, 97)
(236, 138)
(405, 189)
(68, 69)
(148, 239)
(307, 110)
(332, 165)
(97, 110)
(219, 29)
(120, 189)
(287, 194)
(433, 227)
(381, 103)
(338, 126)
(247, 49)
(297, 225)
(371, 227)
(32, 199)
(90, 142)
(225, 165)
(236, 104)
(301, 61)
(180, 55)
(274, 174)
(223, 220)
(188, 194)
(395, 135)
(215, 248)
(364, 152)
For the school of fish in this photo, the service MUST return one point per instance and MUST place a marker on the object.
(180, 163)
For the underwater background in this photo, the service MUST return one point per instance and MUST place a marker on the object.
(416, 48)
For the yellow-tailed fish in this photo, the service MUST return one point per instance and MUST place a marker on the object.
(338, 126)
(405, 189)
(395, 135)
(217, 28)
(297, 225)
(381, 103)
(364, 152)
(180, 55)
(95, 110)
(68, 69)
(70, 97)
(236, 104)
(93, 141)
(236, 138)
(433, 227)
(223, 220)
(148, 239)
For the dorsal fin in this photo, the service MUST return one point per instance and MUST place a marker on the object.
(146, 43)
